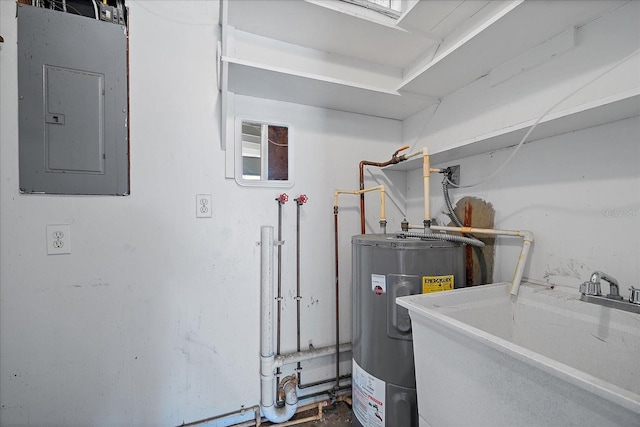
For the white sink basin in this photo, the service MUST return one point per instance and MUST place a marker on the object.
(546, 359)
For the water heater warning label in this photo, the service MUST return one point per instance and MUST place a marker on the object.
(436, 283)
(368, 397)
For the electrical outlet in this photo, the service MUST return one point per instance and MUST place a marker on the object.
(203, 205)
(454, 174)
(58, 239)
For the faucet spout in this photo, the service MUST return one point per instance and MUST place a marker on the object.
(614, 288)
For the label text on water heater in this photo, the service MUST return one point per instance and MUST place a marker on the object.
(436, 283)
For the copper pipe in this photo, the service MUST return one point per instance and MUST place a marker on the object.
(301, 409)
(318, 383)
(281, 201)
(335, 230)
(316, 417)
(255, 409)
(298, 204)
(394, 159)
(302, 199)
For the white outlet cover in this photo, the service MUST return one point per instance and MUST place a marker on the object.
(58, 239)
(203, 206)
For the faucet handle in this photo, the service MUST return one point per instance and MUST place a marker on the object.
(634, 295)
(590, 287)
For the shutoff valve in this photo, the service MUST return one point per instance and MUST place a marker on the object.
(302, 199)
(283, 198)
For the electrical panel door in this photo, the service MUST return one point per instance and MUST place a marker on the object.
(73, 104)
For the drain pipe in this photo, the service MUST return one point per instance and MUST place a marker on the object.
(270, 410)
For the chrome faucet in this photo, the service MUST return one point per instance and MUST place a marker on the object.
(591, 293)
(592, 287)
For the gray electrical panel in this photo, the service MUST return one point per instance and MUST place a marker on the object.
(73, 104)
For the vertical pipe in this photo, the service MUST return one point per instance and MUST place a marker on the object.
(468, 254)
(426, 174)
(335, 228)
(298, 203)
(266, 316)
(527, 239)
(279, 298)
(281, 201)
(273, 412)
(383, 215)
(300, 200)
(362, 217)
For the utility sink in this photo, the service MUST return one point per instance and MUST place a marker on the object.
(543, 358)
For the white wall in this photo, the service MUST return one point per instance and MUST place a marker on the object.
(487, 106)
(579, 192)
(154, 317)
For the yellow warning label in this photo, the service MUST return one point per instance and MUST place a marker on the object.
(436, 283)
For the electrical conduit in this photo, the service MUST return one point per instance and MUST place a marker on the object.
(272, 412)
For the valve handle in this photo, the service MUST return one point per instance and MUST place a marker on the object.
(283, 198)
(302, 199)
(400, 149)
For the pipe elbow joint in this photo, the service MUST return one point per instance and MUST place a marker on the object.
(277, 414)
(289, 385)
(280, 414)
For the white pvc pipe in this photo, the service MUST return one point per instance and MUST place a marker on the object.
(527, 236)
(272, 412)
(524, 253)
(527, 240)
(426, 169)
(300, 356)
(380, 188)
(487, 231)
